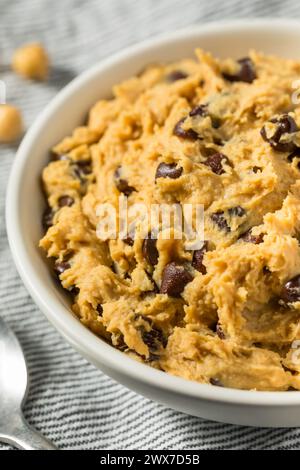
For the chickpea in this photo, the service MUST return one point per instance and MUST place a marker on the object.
(11, 123)
(31, 61)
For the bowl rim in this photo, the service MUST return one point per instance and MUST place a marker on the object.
(89, 345)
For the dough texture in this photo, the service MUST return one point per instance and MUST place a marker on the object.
(221, 133)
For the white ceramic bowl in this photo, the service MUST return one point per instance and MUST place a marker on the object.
(25, 205)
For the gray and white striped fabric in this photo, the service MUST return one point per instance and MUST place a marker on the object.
(70, 401)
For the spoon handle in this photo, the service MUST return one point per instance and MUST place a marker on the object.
(23, 436)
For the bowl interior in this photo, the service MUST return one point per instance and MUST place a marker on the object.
(25, 202)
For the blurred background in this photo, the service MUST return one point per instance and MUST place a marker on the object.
(71, 402)
(79, 33)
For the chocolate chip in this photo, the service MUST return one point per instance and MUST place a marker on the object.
(168, 170)
(124, 187)
(81, 169)
(47, 219)
(74, 290)
(128, 240)
(200, 110)
(150, 251)
(294, 154)
(249, 238)
(215, 162)
(64, 201)
(122, 184)
(218, 141)
(246, 72)
(291, 290)
(220, 331)
(176, 75)
(237, 211)
(256, 169)
(99, 310)
(174, 279)
(216, 382)
(184, 133)
(61, 267)
(153, 339)
(84, 166)
(113, 267)
(219, 219)
(284, 124)
(216, 123)
(198, 256)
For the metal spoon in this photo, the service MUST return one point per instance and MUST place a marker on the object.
(13, 390)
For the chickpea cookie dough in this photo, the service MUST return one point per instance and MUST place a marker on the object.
(224, 134)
